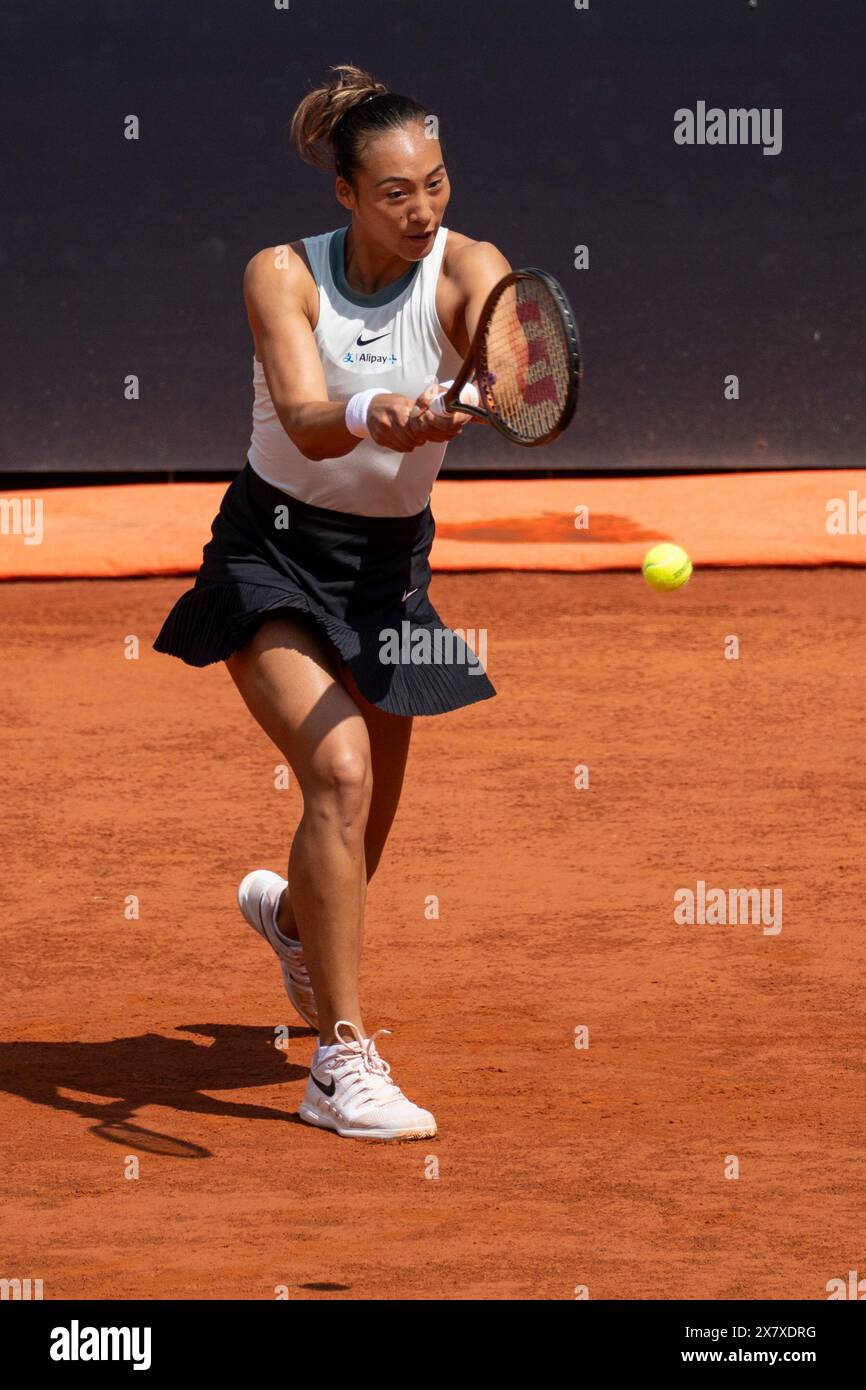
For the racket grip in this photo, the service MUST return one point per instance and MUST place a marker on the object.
(468, 395)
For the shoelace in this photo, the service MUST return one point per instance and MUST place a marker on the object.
(371, 1084)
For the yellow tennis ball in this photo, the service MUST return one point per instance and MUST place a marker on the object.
(667, 567)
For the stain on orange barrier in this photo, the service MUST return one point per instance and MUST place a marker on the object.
(553, 526)
(515, 524)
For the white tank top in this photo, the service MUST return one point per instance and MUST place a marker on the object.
(393, 340)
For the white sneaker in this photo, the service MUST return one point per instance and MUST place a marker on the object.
(258, 896)
(350, 1090)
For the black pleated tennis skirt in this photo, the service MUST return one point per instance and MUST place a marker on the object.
(360, 581)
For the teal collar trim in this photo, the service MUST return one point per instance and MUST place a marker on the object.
(337, 257)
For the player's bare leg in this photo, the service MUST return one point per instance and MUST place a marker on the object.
(289, 682)
(389, 736)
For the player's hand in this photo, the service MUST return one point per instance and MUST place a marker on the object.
(389, 424)
(430, 428)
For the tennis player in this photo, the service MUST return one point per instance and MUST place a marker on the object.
(321, 545)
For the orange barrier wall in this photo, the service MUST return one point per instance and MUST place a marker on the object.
(721, 519)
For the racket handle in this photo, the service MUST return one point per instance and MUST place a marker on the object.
(468, 395)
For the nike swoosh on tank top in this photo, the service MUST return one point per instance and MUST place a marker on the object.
(392, 340)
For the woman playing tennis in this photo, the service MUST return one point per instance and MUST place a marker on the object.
(321, 545)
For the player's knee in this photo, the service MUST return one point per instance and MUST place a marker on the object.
(344, 785)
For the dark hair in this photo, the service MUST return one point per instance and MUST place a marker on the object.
(332, 124)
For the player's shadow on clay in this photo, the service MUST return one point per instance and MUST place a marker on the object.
(151, 1069)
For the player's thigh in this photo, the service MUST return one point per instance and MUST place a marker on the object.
(288, 677)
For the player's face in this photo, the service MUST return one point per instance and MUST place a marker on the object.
(402, 191)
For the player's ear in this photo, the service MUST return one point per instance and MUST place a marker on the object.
(345, 195)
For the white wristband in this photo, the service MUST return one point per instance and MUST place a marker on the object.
(357, 407)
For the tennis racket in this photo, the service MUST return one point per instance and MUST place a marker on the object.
(524, 362)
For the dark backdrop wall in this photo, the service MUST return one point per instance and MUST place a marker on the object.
(558, 128)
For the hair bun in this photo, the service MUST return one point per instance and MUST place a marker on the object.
(322, 135)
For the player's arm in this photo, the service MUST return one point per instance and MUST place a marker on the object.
(274, 295)
(475, 269)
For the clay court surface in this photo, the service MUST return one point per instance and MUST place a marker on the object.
(557, 1167)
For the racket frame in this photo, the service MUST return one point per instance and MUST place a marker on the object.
(474, 364)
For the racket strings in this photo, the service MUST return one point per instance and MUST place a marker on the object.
(527, 370)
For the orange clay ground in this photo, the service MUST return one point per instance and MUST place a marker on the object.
(558, 1167)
